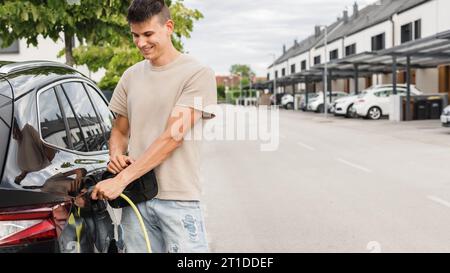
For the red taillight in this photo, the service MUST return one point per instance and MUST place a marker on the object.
(43, 231)
(28, 226)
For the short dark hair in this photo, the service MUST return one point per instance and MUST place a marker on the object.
(143, 10)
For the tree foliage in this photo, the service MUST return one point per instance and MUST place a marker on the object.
(117, 57)
(100, 26)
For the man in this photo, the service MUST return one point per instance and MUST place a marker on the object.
(156, 102)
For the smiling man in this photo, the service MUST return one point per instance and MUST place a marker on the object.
(157, 103)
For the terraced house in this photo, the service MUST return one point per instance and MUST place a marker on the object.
(384, 26)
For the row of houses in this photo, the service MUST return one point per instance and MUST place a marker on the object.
(383, 25)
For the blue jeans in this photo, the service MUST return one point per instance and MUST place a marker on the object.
(173, 226)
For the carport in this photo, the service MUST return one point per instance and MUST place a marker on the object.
(429, 52)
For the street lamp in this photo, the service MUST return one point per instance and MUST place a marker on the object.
(274, 79)
(325, 76)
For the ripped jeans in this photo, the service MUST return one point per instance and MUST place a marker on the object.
(173, 226)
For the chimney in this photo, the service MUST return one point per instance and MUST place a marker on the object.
(345, 17)
(355, 10)
(295, 43)
(317, 31)
(284, 49)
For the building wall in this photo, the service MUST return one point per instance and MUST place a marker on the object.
(363, 39)
(338, 85)
(427, 80)
(425, 12)
(442, 17)
(330, 47)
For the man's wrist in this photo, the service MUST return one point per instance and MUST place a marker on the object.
(115, 154)
(122, 179)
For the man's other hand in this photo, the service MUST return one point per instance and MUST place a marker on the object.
(118, 163)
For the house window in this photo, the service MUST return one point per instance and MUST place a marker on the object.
(316, 60)
(350, 50)
(417, 29)
(334, 55)
(293, 69)
(406, 33)
(303, 65)
(268, 76)
(379, 42)
(276, 74)
(13, 48)
(283, 72)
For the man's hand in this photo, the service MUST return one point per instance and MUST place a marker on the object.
(118, 163)
(108, 189)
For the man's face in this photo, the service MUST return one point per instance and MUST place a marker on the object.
(152, 37)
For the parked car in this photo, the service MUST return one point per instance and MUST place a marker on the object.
(278, 98)
(445, 117)
(317, 104)
(374, 103)
(303, 105)
(54, 127)
(343, 106)
(287, 101)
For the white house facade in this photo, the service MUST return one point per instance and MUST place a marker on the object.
(382, 25)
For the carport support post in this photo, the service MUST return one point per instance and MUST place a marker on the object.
(394, 74)
(306, 92)
(325, 89)
(408, 88)
(356, 79)
(330, 74)
(293, 95)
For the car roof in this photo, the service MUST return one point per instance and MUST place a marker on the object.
(11, 67)
(27, 76)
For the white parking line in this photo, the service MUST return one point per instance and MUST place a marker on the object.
(439, 200)
(306, 146)
(356, 166)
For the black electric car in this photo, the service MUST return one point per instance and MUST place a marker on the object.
(54, 131)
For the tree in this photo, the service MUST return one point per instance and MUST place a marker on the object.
(246, 71)
(100, 26)
(91, 21)
(221, 91)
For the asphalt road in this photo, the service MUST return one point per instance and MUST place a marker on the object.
(334, 185)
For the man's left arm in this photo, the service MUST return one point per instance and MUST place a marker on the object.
(181, 121)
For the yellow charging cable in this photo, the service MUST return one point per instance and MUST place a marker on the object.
(141, 221)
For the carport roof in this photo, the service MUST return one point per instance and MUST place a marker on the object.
(428, 52)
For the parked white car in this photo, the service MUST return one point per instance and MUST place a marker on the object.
(287, 101)
(343, 106)
(316, 104)
(375, 102)
(445, 117)
(303, 105)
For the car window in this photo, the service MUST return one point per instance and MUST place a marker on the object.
(81, 114)
(378, 94)
(53, 129)
(104, 113)
(6, 109)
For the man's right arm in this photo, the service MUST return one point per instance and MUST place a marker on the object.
(118, 145)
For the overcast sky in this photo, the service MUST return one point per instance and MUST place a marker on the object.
(247, 32)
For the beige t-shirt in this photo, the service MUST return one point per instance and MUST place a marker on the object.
(146, 95)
